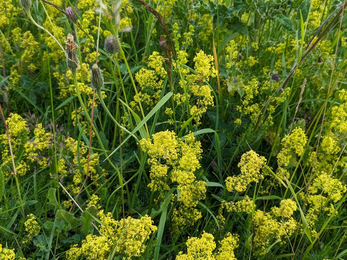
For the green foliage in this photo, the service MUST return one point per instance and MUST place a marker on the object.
(212, 130)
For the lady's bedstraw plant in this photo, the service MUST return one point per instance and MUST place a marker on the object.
(175, 161)
(125, 238)
(202, 248)
(26, 4)
(250, 166)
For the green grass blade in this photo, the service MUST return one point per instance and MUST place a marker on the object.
(147, 117)
(65, 102)
(160, 233)
(2, 183)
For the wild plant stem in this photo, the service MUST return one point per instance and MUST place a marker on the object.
(96, 133)
(13, 163)
(33, 21)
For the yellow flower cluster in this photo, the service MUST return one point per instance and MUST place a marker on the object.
(131, 235)
(250, 166)
(41, 143)
(165, 8)
(29, 151)
(94, 201)
(205, 24)
(293, 144)
(80, 159)
(7, 254)
(93, 247)
(202, 248)
(199, 94)
(183, 217)
(128, 236)
(166, 151)
(338, 114)
(248, 93)
(175, 161)
(231, 54)
(9, 12)
(31, 226)
(245, 205)
(324, 183)
(273, 226)
(150, 81)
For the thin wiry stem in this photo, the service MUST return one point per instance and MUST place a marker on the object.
(33, 21)
(13, 163)
(89, 148)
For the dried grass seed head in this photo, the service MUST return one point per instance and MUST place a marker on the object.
(71, 46)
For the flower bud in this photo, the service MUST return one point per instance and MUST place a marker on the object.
(97, 79)
(275, 77)
(71, 14)
(71, 59)
(111, 45)
(26, 4)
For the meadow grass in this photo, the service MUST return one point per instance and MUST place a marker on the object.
(173, 129)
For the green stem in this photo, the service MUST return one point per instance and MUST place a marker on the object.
(33, 21)
(98, 92)
(132, 80)
(120, 178)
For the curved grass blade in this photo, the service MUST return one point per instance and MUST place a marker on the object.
(147, 117)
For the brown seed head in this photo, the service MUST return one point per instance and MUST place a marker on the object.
(71, 46)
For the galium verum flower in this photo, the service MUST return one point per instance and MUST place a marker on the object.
(111, 45)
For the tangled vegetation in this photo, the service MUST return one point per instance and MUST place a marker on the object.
(190, 129)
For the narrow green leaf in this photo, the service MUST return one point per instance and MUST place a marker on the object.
(214, 184)
(271, 197)
(343, 253)
(161, 228)
(200, 132)
(24, 96)
(227, 40)
(104, 140)
(210, 212)
(147, 117)
(4, 80)
(65, 102)
(297, 3)
(304, 9)
(164, 204)
(142, 129)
